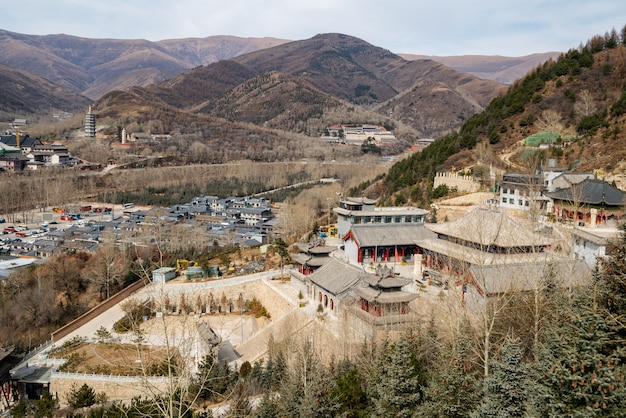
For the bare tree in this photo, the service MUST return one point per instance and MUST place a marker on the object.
(550, 121)
(585, 105)
(107, 268)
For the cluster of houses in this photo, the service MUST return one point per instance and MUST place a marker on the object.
(19, 153)
(203, 222)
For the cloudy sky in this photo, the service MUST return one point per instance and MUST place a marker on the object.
(440, 27)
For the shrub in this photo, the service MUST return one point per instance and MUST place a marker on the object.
(81, 397)
(257, 309)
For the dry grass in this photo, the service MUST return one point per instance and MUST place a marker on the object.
(112, 358)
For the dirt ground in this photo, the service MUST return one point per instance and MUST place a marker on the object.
(111, 358)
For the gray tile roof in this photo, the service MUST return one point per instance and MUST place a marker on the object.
(591, 192)
(371, 295)
(336, 276)
(489, 227)
(498, 279)
(384, 235)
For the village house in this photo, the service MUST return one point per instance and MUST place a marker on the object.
(24, 142)
(590, 244)
(50, 154)
(522, 192)
(591, 201)
(554, 180)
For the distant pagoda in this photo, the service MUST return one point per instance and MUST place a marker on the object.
(90, 124)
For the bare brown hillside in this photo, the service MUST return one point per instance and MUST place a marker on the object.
(94, 67)
(24, 93)
(504, 70)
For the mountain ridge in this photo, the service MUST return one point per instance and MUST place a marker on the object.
(93, 67)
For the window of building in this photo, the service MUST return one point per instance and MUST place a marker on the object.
(526, 203)
(378, 219)
(357, 220)
(520, 202)
(388, 219)
(367, 219)
(408, 218)
(504, 200)
(398, 219)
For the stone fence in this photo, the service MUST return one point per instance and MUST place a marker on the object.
(462, 183)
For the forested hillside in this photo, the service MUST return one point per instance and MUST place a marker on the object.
(580, 99)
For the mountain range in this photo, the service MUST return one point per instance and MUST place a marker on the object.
(193, 73)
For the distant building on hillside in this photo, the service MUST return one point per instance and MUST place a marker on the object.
(356, 133)
(90, 124)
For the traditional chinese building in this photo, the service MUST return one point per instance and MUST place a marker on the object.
(487, 253)
(591, 201)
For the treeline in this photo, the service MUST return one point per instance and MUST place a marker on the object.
(23, 192)
(566, 359)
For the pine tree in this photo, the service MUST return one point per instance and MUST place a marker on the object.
(506, 388)
(580, 370)
(45, 405)
(267, 408)
(395, 385)
(240, 405)
(611, 279)
(453, 388)
(81, 397)
(307, 387)
(349, 391)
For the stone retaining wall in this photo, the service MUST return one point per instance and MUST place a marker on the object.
(116, 388)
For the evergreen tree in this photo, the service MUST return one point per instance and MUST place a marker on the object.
(611, 282)
(453, 389)
(81, 397)
(267, 408)
(20, 409)
(506, 388)
(239, 406)
(580, 370)
(44, 406)
(395, 386)
(307, 387)
(349, 391)
(214, 378)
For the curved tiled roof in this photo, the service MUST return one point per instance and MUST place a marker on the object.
(487, 227)
(336, 276)
(591, 192)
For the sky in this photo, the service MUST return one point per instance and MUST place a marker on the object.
(439, 27)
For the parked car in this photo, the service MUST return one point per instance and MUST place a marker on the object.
(2, 220)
